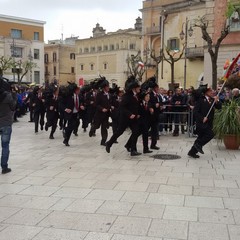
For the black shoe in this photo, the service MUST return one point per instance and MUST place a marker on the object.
(90, 133)
(135, 153)
(6, 170)
(155, 147)
(103, 144)
(116, 142)
(41, 128)
(147, 151)
(84, 130)
(75, 134)
(198, 148)
(30, 121)
(94, 134)
(128, 148)
(193, 155)
(36, 131)
(46, 127)
(107, 148)
(66, 143)
(51, 137)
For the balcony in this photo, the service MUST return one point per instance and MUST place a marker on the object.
(195, 52)
(153, 30)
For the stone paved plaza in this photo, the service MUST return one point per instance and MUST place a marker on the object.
(81, 192)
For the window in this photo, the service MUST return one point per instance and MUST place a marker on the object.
(37, 77)
(105, 48)
(132, 46)
(54, 70)
(86, 50)
(173, 44)
(117, 46)
(72, 70)
(81, 67)
(99, 48)
(72, 55)
(46, 58)
(36, 54)
(234, 21)
(17, 52)
(16, 33)
(46, 70)
(93, 49)
(54, 57)
(105, 66)
(91, 67)
(111, 47)
(36, 36)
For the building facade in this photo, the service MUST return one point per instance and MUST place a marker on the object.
(163, 21)
(59, 60)
(106, 54)
(22, 39)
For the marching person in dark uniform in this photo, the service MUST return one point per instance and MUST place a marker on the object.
(156, 104)
(129, 117)
(83, 109)
(90, 103)
(146, 116)
(28, 102)
(115, 105)
(70, 106)
(204, 122)
(52, 112)
(103, 108)
(38, 104)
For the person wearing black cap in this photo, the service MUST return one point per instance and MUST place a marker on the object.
(103, 108)
(129, 117)
(204, 121)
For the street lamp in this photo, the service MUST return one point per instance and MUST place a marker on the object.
(30, 57)
(184, 36)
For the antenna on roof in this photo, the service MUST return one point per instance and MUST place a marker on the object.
(62, 34)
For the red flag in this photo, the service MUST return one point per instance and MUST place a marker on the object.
(232, 67)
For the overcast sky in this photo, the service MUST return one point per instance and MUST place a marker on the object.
(75, 17)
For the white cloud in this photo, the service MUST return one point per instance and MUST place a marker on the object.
(75, 17)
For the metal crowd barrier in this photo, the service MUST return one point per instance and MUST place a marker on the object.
(184, 110)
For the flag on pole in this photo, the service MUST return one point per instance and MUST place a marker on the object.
(233, 68)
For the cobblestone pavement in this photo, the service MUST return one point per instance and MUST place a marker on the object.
(56, 192)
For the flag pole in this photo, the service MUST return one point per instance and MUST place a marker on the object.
(214, 101)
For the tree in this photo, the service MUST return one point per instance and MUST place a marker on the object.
(5, 64)
(172, 59)
(157, 60)
(136, 66)
(213, 47)
(22, 68)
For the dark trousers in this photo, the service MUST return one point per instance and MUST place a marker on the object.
(52, 122)
(39, 117)
(154, 133)
(132, 141)
(144, 129)
(103, 123)
(71, 125)
(204, 136)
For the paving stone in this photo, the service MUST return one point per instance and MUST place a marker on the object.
(104, 184)
(128, 237)
(115, 208)
(39, 190)
(168, 229)
(135, 197)
(131, 226)
(60, 234)
(166, 199)
(131, 186)
(30, 217)
(178, 190)
(210, 192)
(147, 210)
(207, 231)
(180, 213)
(208, 215)
(205, 202)
(6, 212)
(234, 232)
(102, 194)
(225, 183)
(231, 203)
(18, 232)
(68, 192)
(98, 236)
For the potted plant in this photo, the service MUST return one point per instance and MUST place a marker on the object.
(226, 124)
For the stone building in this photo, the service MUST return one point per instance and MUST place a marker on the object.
(59, 60)
(22, 39)
(163, 21)
(106, 54)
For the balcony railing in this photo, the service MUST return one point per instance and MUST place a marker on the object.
(153, 30)
(195, 52)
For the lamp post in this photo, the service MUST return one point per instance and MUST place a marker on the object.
(184, 36)
(30, 57)
(146, 54)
